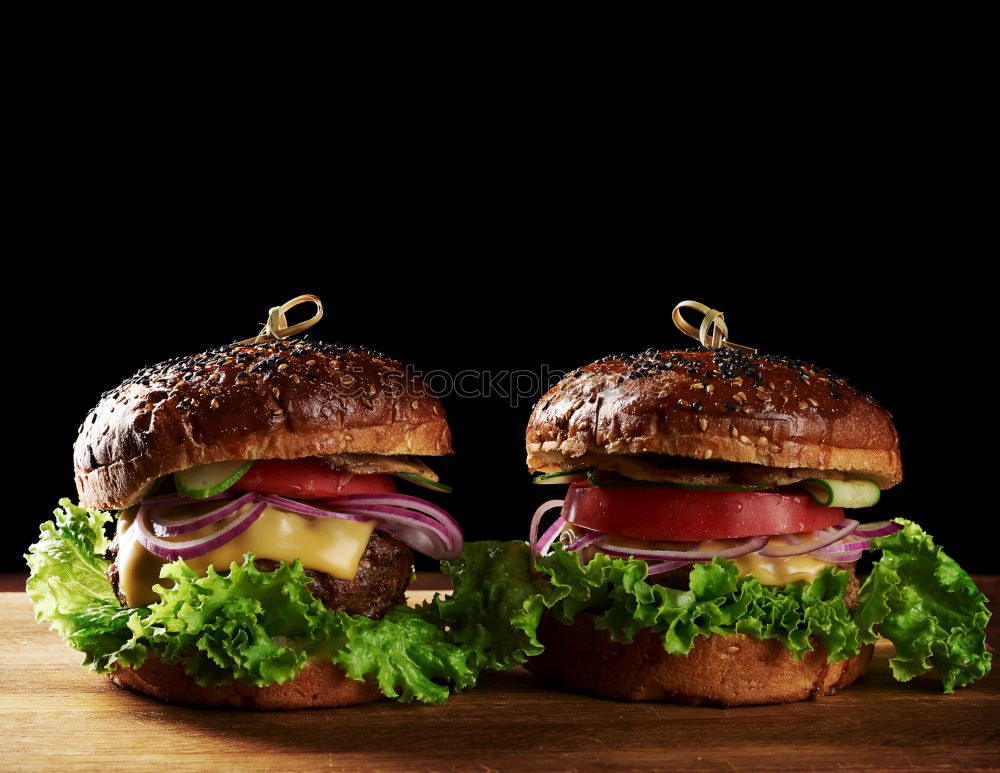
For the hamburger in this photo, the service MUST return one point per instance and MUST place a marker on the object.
(714, 503)
(240, 537)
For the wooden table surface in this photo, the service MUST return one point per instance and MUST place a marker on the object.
(57, 716)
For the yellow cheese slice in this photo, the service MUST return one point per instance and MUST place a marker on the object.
(330, 545)
(770, 571)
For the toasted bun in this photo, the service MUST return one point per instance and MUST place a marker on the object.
(719, 670)
(715, 404)
(276, 400)
(318, 685)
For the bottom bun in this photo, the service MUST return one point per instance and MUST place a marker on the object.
(719, 670)
(318, 685)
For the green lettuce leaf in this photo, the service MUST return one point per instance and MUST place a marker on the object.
(262, 627)
(497, 603)
(259, 627)
(718, 601)
(928, 607)
(916, 596)
(70, 591)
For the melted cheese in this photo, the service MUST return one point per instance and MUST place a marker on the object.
(770, 571)
(780, 571)
(330, 545)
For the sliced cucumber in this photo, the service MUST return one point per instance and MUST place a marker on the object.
(842, 493)
(425, 482)
(563, 476)
(595, 481)
(207, 480)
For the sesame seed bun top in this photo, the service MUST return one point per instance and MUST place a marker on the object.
(716, 404)
(273, 400)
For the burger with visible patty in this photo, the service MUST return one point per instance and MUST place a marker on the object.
(714, 509)
(261, 548)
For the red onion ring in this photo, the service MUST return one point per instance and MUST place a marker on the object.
(848, 545)
(816, 541)
(550, 535)
(301, 508)
(449, 524)
(877, 529)
(420, 524)
(583, 540)
(171, 551)
(535, 520)
(665, 566)
(750, 545)
(173, 528)
(415, 529)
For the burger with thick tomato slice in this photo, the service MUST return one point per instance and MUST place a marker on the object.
(261, 547)
(705, 546)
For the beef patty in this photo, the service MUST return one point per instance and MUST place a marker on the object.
(385, 569)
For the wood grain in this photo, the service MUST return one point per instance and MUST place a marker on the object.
(58, 716)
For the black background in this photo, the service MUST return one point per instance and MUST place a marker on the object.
(501, 232)
(514, 310)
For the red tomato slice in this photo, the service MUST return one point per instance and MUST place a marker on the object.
(309, 478)
(692, 515)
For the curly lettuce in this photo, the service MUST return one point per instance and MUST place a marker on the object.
(258, 627)
(262, 627)
(717, 601)
(925, 604)
(916, 596)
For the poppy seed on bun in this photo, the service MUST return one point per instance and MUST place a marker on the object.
(720, 405)
(273, 400)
